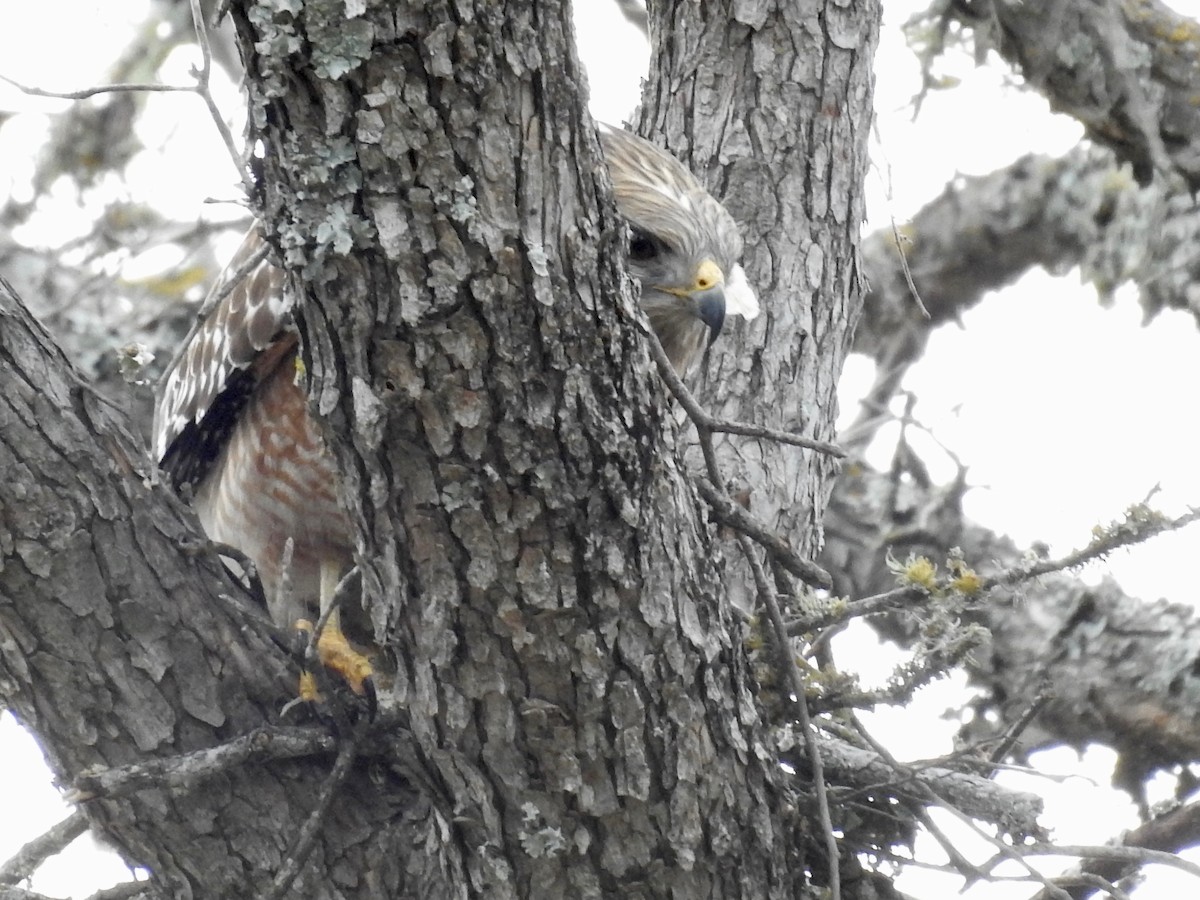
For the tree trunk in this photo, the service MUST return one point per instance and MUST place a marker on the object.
(536, 559)
(118, 647)
(572, 713)
(779, 113)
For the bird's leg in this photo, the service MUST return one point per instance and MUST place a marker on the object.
(333, 648)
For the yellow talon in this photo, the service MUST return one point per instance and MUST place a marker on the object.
(338, 655)
(308, 692)
(334, 651)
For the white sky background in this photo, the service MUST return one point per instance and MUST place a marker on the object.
(1065, 413)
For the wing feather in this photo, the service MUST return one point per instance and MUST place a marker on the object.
(209, 381)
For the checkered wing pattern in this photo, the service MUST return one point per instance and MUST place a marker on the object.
(210, 380)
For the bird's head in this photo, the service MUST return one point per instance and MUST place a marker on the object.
(683, 247)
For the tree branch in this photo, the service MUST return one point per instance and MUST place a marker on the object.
(307, 837)
(1166, 834)
(24, 862)
(1015, 812)
(118, 651)
(1128, 73)
(1119, 671)
(982, 233)
(729, 513)
(179, 772)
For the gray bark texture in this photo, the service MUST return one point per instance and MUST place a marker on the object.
(573, 713)
(1126, 69)
(792, 173)
(1116, 670)
(1121, 671)
(122, 640)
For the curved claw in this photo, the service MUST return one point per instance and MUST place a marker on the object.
(368, 685)
(301, 635)
(337, 655)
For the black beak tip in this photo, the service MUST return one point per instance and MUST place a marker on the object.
(711, 311)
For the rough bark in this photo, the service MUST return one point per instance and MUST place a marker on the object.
(1126, 69)
(582, 720)
(116, 646)
(791, 172)
(983, 233)
(1118, 671)
(536, 560)
(581, 712)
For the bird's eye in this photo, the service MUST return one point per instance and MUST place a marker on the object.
(642, 247)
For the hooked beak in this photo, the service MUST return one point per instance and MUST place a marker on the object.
(707, 294)
(710, 309)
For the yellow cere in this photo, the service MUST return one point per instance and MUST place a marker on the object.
(708, 274)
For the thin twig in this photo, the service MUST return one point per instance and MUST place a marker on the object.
(908, 277)
(863, 770)
(1138, 855)
(230, 280)
(217, 549)
(726, 511)
(1172, 831)
(312, 656)
(1121, 536)
(702, 420)
(795, 684)
(54, 840)
(85, 93)
(729, 513)
(929, 795)
(1014, 731)
(339, 597)
(202, 88)
(961, 864)
(307, 836)
(1095, 882)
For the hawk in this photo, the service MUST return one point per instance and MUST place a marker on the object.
(232, 428)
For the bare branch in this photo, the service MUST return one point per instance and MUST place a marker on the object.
(927, 794)
(307, 837)
(1140, 525)
(1171, 832)
(1139, 855)
(202, 88)
(85, 93)
(908, 276)
(1015, 812)
(729, 513)
(799, 703)
(177, 772)
(25, 861)
(703, 421)
(1011, 734)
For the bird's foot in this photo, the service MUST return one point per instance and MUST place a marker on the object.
(336, 654)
